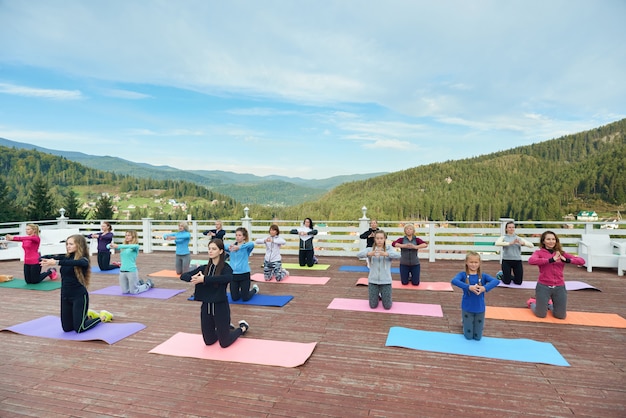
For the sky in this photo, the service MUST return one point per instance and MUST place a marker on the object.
(311, 88)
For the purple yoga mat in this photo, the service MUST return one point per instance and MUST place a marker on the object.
(569, 285)
(50, 327)
(154, 293)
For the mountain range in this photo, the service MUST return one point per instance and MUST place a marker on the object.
(272, 190)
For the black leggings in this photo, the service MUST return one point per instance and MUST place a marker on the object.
(518, 271)
(104, 261)
(305, 257)
(240, 287)
(74, 313)
(33, 274)
(215, 323)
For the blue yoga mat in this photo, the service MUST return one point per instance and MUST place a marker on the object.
(521, 349)
(262, 300)
(96, 269)
(364, 269)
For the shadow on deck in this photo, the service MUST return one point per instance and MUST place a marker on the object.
(350, 373)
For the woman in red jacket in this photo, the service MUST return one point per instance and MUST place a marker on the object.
(30, 245)
(550, 293)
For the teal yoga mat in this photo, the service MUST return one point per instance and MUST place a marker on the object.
(520, 349)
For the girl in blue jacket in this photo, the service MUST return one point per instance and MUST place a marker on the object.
(239, 253)
(474, 284)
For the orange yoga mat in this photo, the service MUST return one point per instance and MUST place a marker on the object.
(244, 350)
(573, 318)
(165, 273)
(397, 284)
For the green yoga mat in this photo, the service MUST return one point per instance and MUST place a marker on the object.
(21, 284)
(294, 266)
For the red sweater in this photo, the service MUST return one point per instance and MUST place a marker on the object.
(30, 244)
(550, 271)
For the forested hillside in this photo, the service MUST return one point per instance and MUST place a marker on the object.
(542, 181)
(21, 169)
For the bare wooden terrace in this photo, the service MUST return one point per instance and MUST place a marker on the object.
(350, 373)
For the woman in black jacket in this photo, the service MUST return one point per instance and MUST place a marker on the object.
(211, 282)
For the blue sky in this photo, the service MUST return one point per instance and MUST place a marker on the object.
(308, 89)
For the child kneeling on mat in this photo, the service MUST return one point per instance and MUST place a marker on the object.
(474, 284)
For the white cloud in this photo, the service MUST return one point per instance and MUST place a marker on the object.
(53, 94)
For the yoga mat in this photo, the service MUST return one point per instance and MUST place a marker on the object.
(397, 284)
(199, 262)
(525, 350)
(403, 308)
(244, 350)
(50, 327)
(263, 300)
(21, 284)
(165, 273)
(364, 269)
(154, 293)
(294, 266)
(97, 270)
(573, 318)
(258, 277)
(569, 285)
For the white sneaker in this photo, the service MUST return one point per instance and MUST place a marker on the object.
(256, 288)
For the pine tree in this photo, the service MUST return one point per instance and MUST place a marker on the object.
(9, 211)
(104, 207)
(42, 205)
(72, 206)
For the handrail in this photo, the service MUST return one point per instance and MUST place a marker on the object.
(447, 240)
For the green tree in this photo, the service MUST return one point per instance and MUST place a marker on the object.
(72, 206)
(104, 207)
(9, 211)
(42, 205)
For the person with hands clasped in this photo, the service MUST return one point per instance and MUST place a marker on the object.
(474, 284)
(129, 277)
(550, 292)
(272, 262)
(409, 245)
(380, 256)
(181, 238)
(239, 254)
(75, 277)
(210, 288)
(511, 255)
(306, 253)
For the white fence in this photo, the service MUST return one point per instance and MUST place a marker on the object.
(447, 241)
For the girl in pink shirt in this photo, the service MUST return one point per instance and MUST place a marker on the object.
(30, 245)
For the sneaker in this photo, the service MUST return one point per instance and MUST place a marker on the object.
(150, 283)
(91, 314)
(106, 316)
(140, 282)
(531, 301)
(232, 326)
(499, 275)
(314, 260)
(255, 288)
(192, 297)
(244, 326)
(285, 273)
(550, 305)
(117, 264)
(52, 272)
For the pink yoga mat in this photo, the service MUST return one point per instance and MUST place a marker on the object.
(397, 284)
(258, 277)
(403, 308)
(244, 350)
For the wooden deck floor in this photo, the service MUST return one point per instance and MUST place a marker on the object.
(351, 372)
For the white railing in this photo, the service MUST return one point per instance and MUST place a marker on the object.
(447, 241)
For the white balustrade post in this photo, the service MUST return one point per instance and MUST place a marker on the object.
(147, 235)
(246, 221)
(431, 242)
(62, 220)
(364, 225)
(193, 226)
